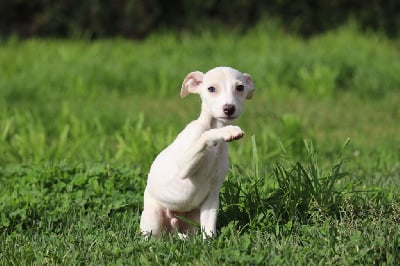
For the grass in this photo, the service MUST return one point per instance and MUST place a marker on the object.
(314, 181)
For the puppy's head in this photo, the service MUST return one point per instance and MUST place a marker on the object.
(223, 91)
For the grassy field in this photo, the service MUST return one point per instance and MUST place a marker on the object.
(316, 179)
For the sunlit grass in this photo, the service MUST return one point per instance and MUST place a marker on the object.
(81, 122)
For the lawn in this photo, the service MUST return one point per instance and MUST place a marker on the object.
(315, 180)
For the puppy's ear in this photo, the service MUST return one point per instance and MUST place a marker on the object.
(191, 83)
(250, 85)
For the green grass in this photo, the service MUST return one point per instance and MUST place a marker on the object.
(314, 181)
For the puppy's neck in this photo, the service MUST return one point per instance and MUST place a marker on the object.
(209, 121)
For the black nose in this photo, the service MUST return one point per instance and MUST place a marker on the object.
(229, 109)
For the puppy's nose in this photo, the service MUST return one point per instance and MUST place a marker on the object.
(229, 109)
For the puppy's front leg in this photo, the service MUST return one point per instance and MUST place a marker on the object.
(189, 163)
(208, 214)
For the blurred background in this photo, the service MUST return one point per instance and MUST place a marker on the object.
(138, 18)
(325, 70)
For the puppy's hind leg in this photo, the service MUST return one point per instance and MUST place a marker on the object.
(152, 219)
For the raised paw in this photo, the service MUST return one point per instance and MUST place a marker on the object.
(232, 133)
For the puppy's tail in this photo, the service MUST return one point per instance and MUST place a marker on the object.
(174, 222)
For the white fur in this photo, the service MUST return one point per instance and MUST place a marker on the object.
(186, 177)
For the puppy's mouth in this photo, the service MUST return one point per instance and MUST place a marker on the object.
(229, 118)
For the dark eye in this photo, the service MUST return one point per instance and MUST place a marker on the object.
(240, 88)
(211, 89)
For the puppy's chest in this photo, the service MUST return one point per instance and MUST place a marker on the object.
(188, 193)
(215, 163)
(210, 175)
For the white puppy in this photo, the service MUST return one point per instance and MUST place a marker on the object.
(185, 178)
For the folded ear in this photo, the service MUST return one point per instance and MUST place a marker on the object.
(250, 85)
(191, 83)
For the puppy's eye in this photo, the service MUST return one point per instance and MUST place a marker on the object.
(240, 88)
(212, 89)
